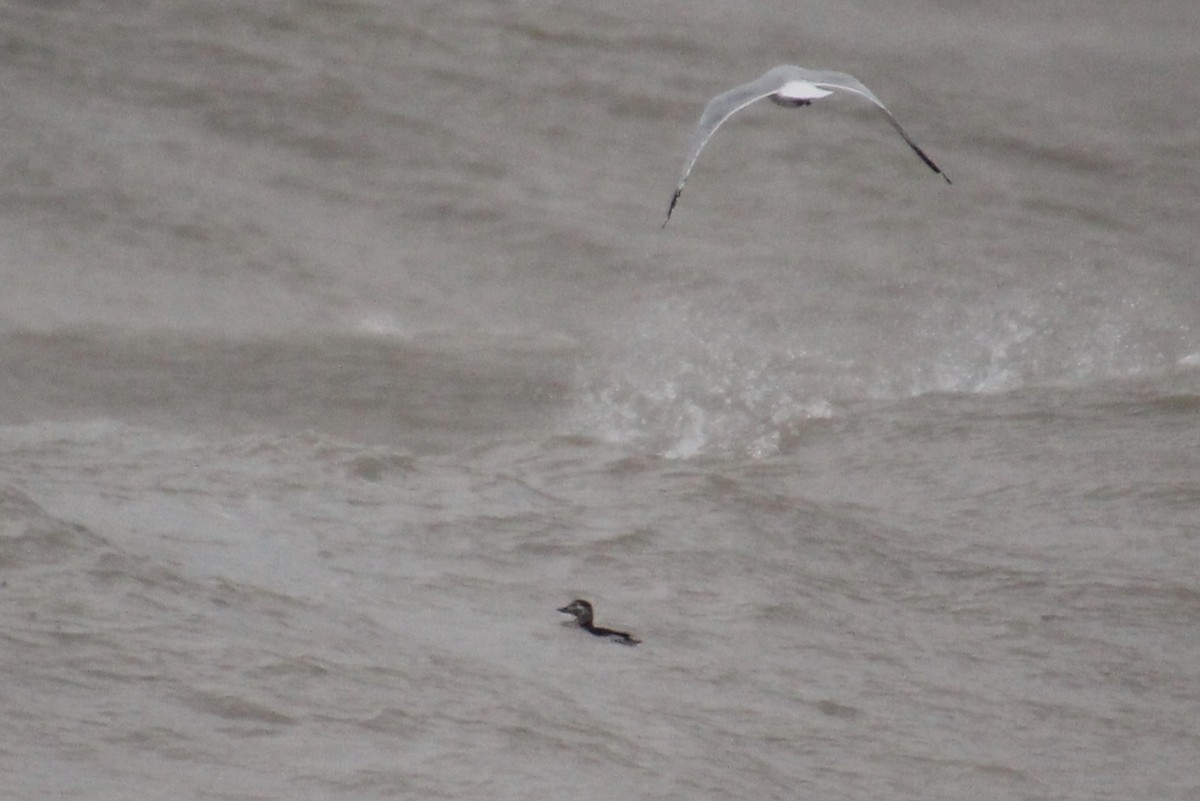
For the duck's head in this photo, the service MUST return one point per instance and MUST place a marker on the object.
(581, 609)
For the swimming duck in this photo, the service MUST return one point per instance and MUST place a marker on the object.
(582, 610)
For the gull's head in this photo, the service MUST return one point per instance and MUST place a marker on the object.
(798, 93)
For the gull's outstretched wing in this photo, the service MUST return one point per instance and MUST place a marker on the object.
(848, 83)
(719, 109)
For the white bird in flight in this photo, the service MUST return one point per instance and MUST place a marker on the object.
(786, 85)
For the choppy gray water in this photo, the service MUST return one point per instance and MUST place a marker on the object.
(340, 345)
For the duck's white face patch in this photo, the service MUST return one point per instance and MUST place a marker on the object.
(580, 609)
(801, 90)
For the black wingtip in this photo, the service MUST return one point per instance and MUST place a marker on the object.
(929, 162)
(671, 208)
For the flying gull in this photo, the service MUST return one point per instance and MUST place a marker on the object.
(788, 86)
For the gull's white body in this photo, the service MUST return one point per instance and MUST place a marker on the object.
(799, 93)
(789, 86)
